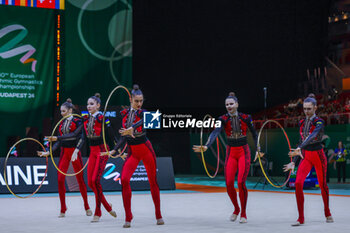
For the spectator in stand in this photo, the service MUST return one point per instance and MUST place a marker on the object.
(292, 105)
(321, 106)
(330, 109)
(277, 114)
(347, 106)
(339, 155)
(299, 103)
(323, 114)
(343, 117)
(337, 115)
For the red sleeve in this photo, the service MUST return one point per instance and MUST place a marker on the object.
(124, 112)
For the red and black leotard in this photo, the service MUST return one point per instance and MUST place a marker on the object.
(132, 118)
(311, 132)
(69, 133)
(139, 148)
(237, 155)
(68, 139)
(236, 127)
(93, 132)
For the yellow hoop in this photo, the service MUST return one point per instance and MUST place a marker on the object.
(5, 165)
(103, 122)
(53, 162)
(258, 150)
(203, 160)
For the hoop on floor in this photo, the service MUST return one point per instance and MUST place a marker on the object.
(53, 161)
(218, 149)
(5, 165)
(261, 166)
(103, 123)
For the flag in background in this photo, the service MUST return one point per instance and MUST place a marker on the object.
(84, 113)
(47, 4)
(51, 4)
(22, 2)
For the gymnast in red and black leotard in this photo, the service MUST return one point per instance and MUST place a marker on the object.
(92, 130)
(237, 153)
(69, 152)
(312, 154)
(139, 148)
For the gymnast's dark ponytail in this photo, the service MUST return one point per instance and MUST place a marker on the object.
(232, 95)
(136, 90)
(97, 98)
(68, 104)
(311, 99)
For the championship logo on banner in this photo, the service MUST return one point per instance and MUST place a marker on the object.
(52, 4)
(26, 58)
(26, 70)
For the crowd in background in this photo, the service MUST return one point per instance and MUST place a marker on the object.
(333, 109)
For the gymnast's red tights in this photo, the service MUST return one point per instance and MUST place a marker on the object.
(137, 153)
(96, 167)
(237, 158)
(319, 161)
(65, 158)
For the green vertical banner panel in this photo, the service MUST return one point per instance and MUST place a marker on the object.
(26, 69)
(98, 56)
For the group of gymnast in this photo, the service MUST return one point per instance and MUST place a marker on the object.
(73, 131)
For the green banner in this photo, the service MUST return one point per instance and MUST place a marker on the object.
(98, 49)
(26, 69)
